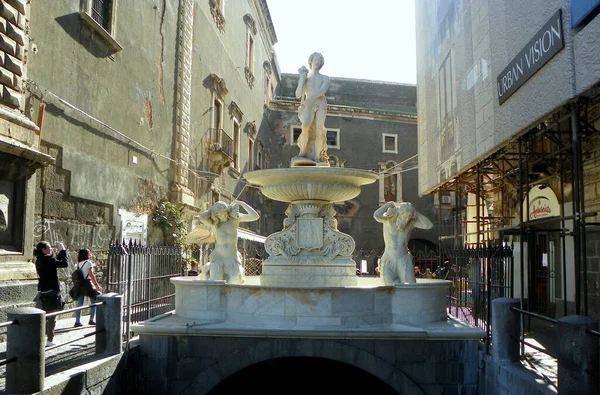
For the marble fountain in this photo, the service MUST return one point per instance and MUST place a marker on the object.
(308, 301)
(309, 280)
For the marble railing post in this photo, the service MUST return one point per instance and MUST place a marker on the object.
(505, 332)
(25, 341)
(110, 318)
(578, 356)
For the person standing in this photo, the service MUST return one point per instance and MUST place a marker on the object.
(90, 288)
(50, 298)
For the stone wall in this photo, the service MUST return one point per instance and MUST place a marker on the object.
(191, 364)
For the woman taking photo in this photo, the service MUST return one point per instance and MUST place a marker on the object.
(50, 298)
(90, 286)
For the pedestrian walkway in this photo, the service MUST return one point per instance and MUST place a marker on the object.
(63, 357)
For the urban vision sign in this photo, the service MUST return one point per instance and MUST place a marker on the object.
(546, 43)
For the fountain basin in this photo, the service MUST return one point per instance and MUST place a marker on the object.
(311, 183)
(364, 305)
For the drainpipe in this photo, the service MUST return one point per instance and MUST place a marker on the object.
(577, 222)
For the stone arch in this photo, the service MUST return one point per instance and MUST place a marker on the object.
(376, 358)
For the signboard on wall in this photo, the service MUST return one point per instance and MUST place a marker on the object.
(546, 43)
(543, 203)
(134, 227)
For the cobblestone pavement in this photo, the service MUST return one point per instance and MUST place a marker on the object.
(79, 350)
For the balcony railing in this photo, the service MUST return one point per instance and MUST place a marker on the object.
(219, 147)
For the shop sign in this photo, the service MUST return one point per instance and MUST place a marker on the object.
(546, 43)
(543, 203)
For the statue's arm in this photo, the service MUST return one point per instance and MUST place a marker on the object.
(379, 214)
(301, 81)
(205, 218)
(251, 215)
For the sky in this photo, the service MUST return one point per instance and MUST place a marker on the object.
(364, 39)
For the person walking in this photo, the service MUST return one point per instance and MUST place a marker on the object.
(49, 297)
(90, 286)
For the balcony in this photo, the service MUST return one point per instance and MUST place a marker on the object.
(219, 148)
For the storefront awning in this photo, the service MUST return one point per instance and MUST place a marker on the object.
(249, 235)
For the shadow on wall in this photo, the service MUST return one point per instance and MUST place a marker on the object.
(72, 25)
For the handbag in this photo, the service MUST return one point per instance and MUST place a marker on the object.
(51, 301)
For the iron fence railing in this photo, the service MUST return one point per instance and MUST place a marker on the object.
(142, 275)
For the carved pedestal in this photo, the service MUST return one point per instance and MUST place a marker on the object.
(309, 251)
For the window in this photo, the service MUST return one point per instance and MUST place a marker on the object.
(217, 121)
(259, 159)
(267, 84)
(250, 34)
(333, 137)
(101, 16)
(236, 144)
(296, 131)
(390, 143)
(250, 154)
(390, 182)
(445, 88)
(12, 197)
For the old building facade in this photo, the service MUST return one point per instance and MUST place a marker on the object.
(107, 110)
(508, 92)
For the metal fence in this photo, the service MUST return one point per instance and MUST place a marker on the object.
(479, 275)
(142, 275)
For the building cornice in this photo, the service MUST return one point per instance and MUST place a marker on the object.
(339, 110)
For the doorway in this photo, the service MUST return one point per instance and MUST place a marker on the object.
(543, 265)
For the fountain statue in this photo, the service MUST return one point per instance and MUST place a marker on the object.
(398, 221)
(225, 260)
(312, 86)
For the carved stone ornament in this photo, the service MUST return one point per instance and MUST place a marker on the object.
(249, 76)
(217, 14)
(310, 236)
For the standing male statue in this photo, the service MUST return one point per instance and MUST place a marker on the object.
(225, 260)
(312, 112)
(398, 219)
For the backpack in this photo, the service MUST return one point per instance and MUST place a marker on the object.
(77, 276)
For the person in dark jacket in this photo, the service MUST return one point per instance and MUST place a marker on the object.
(50, 297)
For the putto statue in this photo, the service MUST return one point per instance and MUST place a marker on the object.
(225, 260)
(398, 219)
(312, 112)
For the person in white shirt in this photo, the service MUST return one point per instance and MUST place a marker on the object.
(87, 269)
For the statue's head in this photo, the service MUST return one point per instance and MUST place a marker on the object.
(220, 212)
(316, 61)
(402, 214)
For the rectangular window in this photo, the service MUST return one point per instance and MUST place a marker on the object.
(12, 195)
(250, 154)
(390, 143)
(236, 144)
(445, 88)
(250, 53)
(101, 16)
(333, 137)
(259, 159)
(217, 119)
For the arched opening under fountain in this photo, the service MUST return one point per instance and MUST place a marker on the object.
(308, 374)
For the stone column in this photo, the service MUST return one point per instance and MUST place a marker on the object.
(578, 356)
(110, 318)
(505, 330)
(25, 341)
